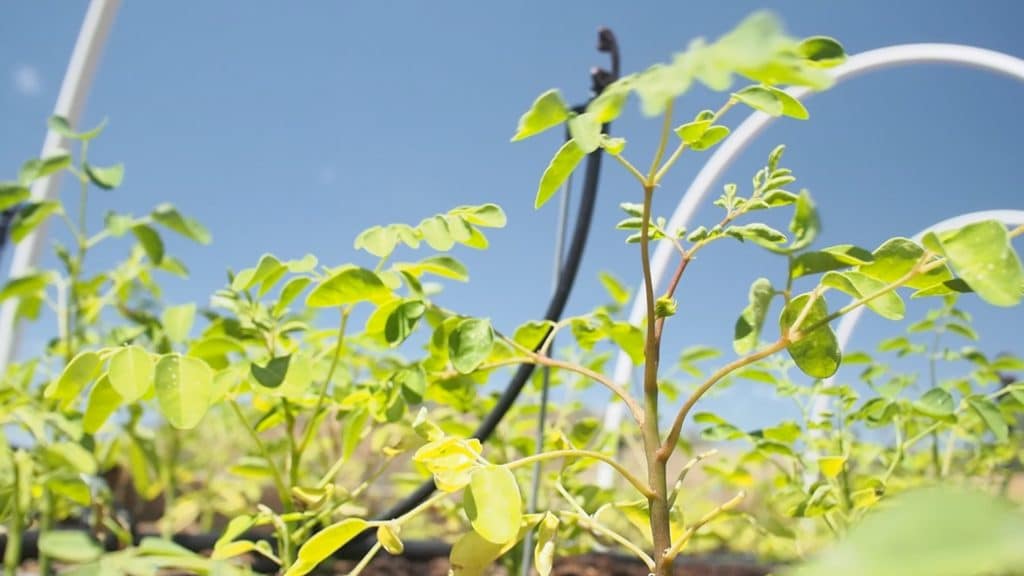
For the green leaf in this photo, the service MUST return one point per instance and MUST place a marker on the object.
(889, 305)
(548, 110)
(532, 333)
(585, 130)
(981, 254)
(692, 132)
(72, 455)
(168, 216)
(493, 504)
(936, 403)
(349, 286)
(561, 166)
(831, 466)
(443, 266)
(103, 401)
(936, 531)
(790, 106)
(53, 163)
(470, 343)
(76, 375)
(805, 223)
(895, 258)
(748, 327)
(760, 98)
(387, 535)
(989, 413)
(378, 240)
(150, 241)
(273, 374)
(830, 258)
(29, 216)
(290, 292)
(711, 136)
(25, 286)
(177, 321)
(108, 178)
(12, 194)
(436, 233)
(472, 555)
(817, 353)
(608, 104)
(60, 125)
(486, 215)
(131, 373)
(402, 321)
(544, 553)
(74, 546)
(822, 50)
(758, 233)
(183, 386)
(324, 543)
(615, 289)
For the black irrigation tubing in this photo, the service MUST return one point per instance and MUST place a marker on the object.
(420, 550)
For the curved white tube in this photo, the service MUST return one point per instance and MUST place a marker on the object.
(722, 158)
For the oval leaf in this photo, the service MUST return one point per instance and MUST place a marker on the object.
(493, 504)
(324, 543)
(131, 373)
(817, 353)
(470, 343)
(183, 386)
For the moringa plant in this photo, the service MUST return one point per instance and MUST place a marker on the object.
(318, 422)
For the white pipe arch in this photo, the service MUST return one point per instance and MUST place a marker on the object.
(872, 60)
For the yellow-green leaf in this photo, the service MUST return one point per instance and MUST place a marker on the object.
(103, 401)
(493, 503)
(77, 374)
(561, 166)
(131, 373)
(831, 466)
(183, 388)
(324, 543)
(816, 353)
(547, 111)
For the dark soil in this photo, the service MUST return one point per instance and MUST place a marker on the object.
(586, 565)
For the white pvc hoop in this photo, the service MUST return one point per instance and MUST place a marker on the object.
(723, 157)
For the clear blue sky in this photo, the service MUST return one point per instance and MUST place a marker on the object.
(290, 127)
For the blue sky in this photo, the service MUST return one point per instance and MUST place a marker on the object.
(289, 128)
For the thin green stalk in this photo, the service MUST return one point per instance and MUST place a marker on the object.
(282, 489)
(12, 555)
(587, 522)
(666, 129)
(657, 477)
(358, 569)
(311, 426)
(621, 469)
(727, 506)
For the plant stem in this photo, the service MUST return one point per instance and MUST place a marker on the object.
(677, 424)
(282, 489)
(588, 522)
(12, 555)
(621, 469)
(666, 129)
(661, 530)
(311, 426)
(632, 169)
(358, 569)
(732, 503)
